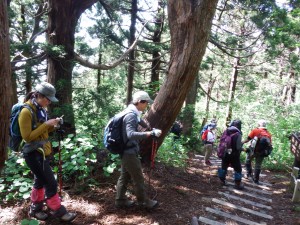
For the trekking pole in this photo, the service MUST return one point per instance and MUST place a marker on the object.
(59, 161)
(60, 132)
(153, 154)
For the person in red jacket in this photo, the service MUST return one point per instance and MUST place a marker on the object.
(257, 148)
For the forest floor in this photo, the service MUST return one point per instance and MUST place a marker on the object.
(182, 194)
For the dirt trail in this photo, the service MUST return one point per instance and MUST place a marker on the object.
(183, 194)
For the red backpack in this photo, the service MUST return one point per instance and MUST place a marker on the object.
(204, 135)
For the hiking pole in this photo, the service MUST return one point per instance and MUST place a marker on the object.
(60, 132)
(153, 154)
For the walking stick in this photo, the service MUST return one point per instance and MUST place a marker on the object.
(60, 132)
(153, 154)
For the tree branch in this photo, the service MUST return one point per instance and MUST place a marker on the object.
(117, 62)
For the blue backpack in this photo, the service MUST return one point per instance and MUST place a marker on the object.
(15, 139)
(113, 134)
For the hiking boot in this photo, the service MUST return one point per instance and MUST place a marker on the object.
(149, 204)
(248, 175)
(223, 182)
(124, 204)
(68, 217)
(238, 185)
(36, 211)
(208, 163)
(255, 181)
(63, 214)
(256, 176)
(39, 215)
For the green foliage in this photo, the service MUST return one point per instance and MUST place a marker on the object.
(16, 180)
(30, 222)
(111, 165)
(172, 152)
(78, 155)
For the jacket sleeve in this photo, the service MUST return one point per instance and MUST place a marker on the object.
(130, 123)
(25, 123)
(239, 145)
(144, 124)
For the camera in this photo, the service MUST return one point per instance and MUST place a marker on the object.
(61, 120)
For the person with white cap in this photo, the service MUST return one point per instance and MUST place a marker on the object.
(257, 149)
(37, 150)
(131, 168)
(209, 142)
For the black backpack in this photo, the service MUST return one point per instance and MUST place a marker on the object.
(113, 134)
(264, 147)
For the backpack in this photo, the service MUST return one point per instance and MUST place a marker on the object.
(204, 135)
(113, 134)
(16, 142)
(204, 129)
(176, 129)
(225, 142)
(264, 147)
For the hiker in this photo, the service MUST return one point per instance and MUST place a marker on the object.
(232, 157)
(209, 142)
(176, 130)
(131, 168)
(37, 151)
(255, 153)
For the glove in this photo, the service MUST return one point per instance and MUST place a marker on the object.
(155, 132)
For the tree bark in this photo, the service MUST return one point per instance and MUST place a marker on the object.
(6, 85)
(190, 24)
(189, 109)
(131, 55)
(211, 84)
(232, 89)
(289, 90)
(62, 20)
(155, 67)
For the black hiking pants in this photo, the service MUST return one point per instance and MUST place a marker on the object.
(232, 160)
(43, 174)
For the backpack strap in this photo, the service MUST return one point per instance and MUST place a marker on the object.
(123, 114)
(34, 118)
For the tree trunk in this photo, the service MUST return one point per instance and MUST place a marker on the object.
(6, 85)
(131, 64)
(232, 88)
(209, 91)
(190, 24)
(62, 21)
(189, 109)
(289, 90)
(155, 67)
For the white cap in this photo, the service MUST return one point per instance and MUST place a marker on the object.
(141, 95)
(262, 123)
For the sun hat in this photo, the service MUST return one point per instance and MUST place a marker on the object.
(140, 96)
(47, 90)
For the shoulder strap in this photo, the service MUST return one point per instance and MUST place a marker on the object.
(34, 120)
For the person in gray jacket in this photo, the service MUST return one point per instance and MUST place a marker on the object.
(131, 168)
